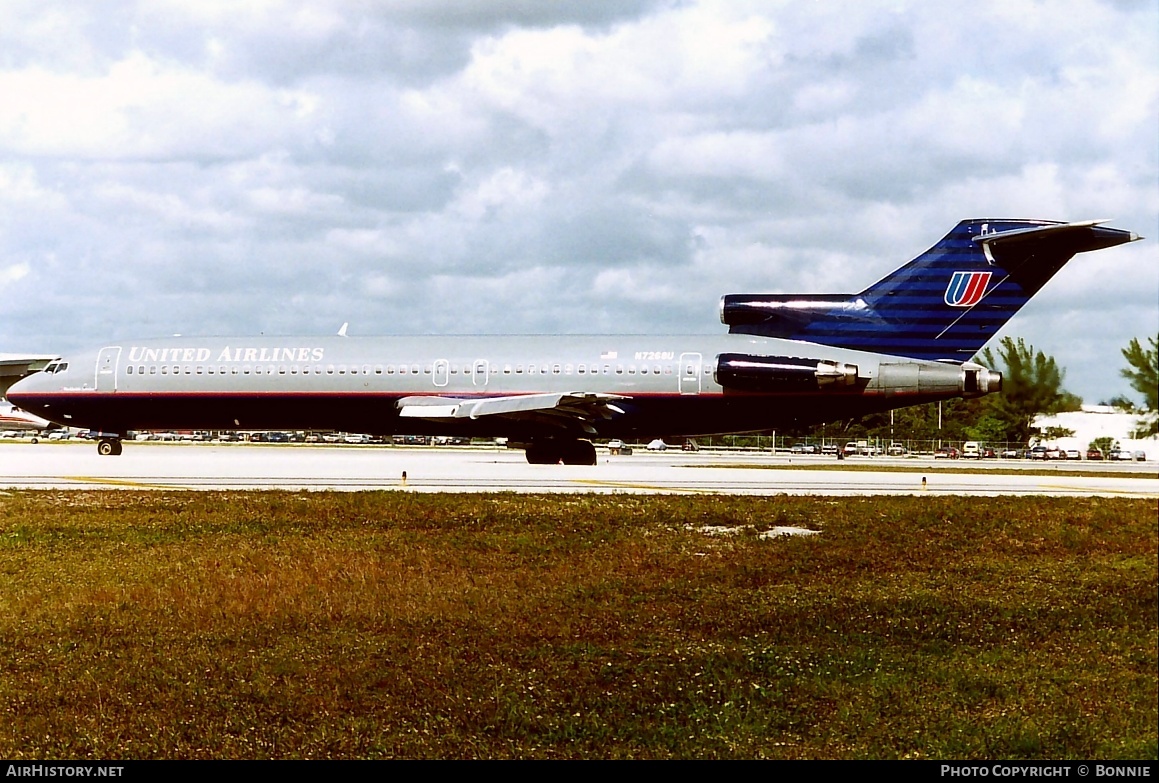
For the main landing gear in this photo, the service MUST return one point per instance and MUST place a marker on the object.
(109, 447)
(554, 451)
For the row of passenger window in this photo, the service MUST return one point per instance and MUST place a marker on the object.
(402, 369)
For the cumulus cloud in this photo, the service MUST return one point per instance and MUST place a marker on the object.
(12, 273)
(450, 166)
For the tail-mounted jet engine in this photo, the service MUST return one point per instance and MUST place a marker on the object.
(795, 375)
(746, 372)
(927, 378)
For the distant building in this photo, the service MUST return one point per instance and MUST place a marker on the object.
(1098, 421)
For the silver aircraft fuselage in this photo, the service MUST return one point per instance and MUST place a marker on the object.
(661, 385)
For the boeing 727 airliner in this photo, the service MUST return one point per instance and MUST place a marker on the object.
(788, 359)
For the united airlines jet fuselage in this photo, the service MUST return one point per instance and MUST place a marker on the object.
(788, 360)
(662, 385)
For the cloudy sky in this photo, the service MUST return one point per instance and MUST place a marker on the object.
(525, 166)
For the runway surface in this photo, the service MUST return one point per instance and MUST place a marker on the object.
(191, 466)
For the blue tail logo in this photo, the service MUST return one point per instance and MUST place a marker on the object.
(944, 305)
(966, 289)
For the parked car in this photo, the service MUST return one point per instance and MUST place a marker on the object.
(971, 449)
(946, 452)
(1095, 454)
(657, 445)
(1070, 454)
(1140, 456)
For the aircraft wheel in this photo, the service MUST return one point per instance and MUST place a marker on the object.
(108, 447)
(580, 452)
(542, 454)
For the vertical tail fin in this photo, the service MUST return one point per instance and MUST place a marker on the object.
(944, 305)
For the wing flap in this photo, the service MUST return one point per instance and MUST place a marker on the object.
(574, 407)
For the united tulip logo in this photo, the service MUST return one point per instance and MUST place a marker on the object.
(966, 288)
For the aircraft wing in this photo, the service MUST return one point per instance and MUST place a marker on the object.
(14, 366)
(557, 409)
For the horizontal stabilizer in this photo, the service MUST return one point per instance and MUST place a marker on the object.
(1103, 237)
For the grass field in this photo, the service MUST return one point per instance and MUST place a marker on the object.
(369, 625)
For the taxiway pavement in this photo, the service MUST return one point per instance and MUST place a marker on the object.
(196, 466)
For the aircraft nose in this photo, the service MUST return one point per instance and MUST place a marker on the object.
(15, 390)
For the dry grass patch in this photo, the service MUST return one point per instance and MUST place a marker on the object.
(201, 625)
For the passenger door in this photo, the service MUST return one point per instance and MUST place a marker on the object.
(107, 360)
(691, 365)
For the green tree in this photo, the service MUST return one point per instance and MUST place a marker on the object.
(1143, 373)
(1122, 403)
(1031, 386)
(1103, 444)
(987, 429)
